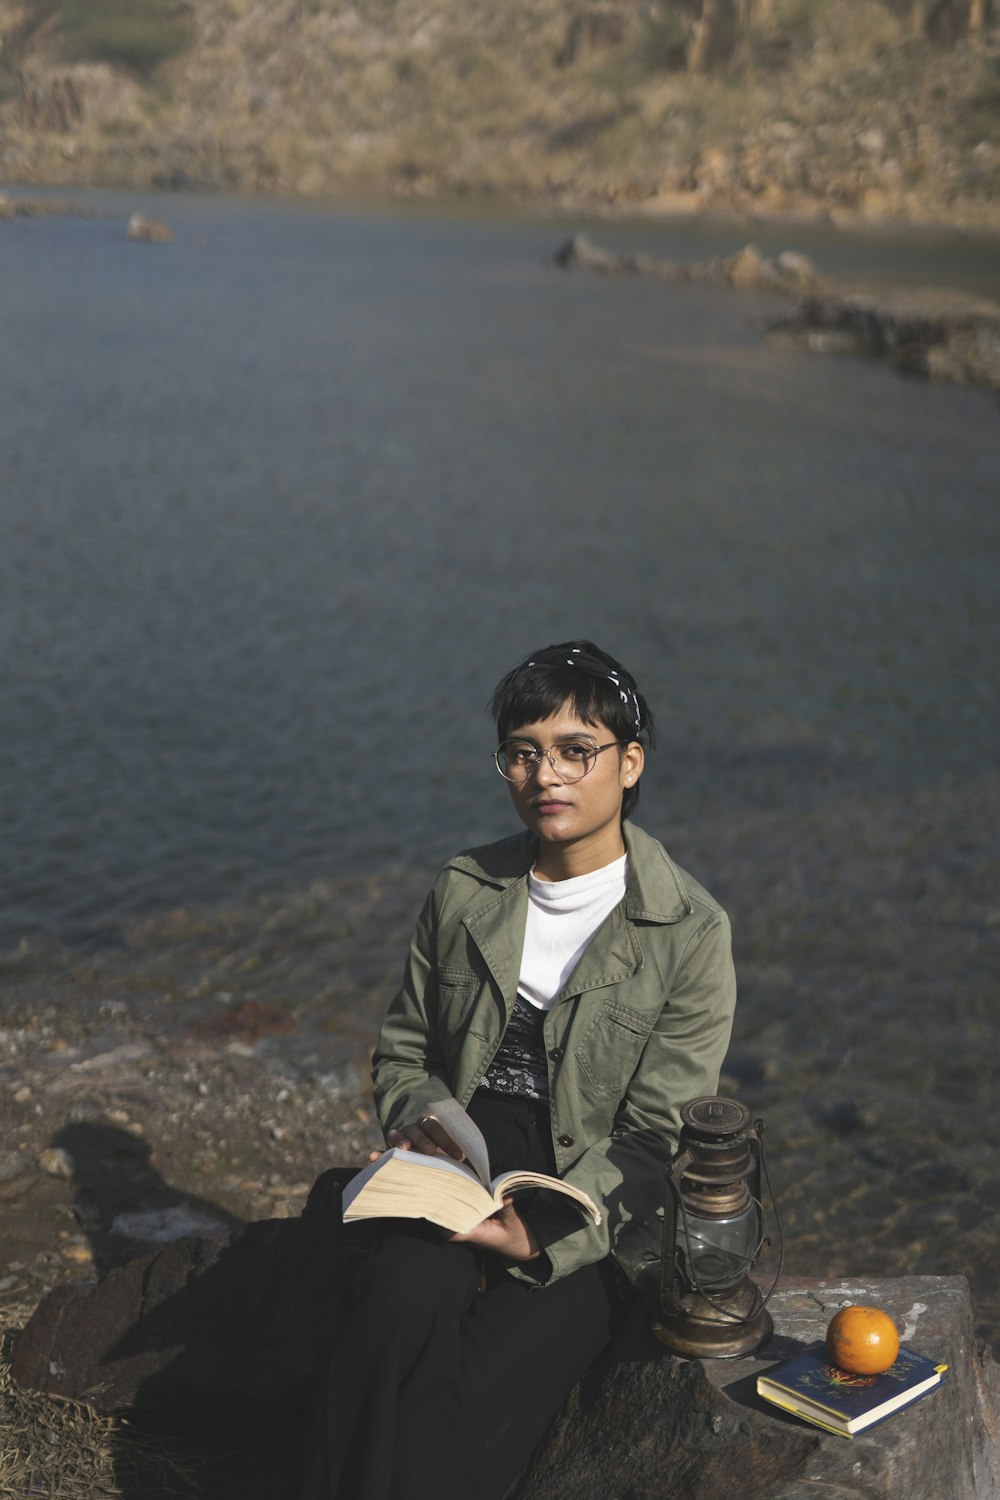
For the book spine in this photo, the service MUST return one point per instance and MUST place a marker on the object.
(775, 1392)
(796, 1412)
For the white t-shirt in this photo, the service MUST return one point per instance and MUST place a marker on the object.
(563, 916)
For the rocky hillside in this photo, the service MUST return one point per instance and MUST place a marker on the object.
(873, 108)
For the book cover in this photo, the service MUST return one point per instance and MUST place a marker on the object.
(814, 1388)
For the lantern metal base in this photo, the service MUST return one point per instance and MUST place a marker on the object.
(733, 1324)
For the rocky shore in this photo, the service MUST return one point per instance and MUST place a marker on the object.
(186, 1068)
(935, 332)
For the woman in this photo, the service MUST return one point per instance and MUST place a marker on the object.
(571, 987)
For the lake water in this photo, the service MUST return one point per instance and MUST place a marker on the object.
(281, 500)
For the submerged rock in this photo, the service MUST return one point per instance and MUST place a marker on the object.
(147, 230)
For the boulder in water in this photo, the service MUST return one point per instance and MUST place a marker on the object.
(148, 231)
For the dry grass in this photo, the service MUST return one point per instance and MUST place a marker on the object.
(56, 1449)
(62, 1450)
(465, 95)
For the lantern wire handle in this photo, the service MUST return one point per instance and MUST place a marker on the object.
(758, 1126)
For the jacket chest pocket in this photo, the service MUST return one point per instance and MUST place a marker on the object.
(462, 1016)
(611, 1046)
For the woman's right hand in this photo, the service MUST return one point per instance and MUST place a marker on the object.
(427, 1135)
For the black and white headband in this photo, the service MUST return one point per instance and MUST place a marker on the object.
(595, 668)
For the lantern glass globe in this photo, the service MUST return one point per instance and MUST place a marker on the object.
(718, 1253)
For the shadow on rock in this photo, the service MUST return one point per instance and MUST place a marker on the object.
(213, 1347)
(120, 1199)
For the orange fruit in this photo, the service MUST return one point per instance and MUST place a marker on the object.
(862, 1340)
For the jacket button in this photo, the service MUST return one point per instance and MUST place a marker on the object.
(556, 1053)
(565, 1140)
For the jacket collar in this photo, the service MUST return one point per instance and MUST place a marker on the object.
(656, 888)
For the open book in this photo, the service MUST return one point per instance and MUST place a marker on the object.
(456, 1195)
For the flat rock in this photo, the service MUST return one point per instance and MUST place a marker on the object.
(246, 1318)
(649, 1426)
(244, 1326)
(162, 1226)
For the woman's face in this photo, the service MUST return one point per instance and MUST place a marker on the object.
(579, 819)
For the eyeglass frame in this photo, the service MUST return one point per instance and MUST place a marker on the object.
(532, 769)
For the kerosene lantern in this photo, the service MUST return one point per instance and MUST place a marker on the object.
(713, 1231)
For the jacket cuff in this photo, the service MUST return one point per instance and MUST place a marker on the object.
(567, 1241)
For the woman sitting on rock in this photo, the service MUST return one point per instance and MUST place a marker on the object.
(571, 987)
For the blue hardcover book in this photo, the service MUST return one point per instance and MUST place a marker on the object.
(814, 1388)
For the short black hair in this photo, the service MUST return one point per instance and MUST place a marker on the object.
(579, 673)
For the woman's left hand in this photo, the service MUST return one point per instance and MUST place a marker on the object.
(505, 1233)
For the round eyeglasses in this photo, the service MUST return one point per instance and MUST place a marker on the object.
(571, 759)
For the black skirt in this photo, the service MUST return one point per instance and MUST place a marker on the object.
(444, 1380)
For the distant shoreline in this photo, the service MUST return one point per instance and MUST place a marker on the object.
(880, 119)
(593, 208)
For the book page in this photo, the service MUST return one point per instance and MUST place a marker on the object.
(410, 1185)
(465, 1133)
(512, 1182)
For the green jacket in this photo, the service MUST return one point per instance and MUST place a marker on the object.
(641, 1026)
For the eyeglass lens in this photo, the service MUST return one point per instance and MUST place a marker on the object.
(571, 760)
